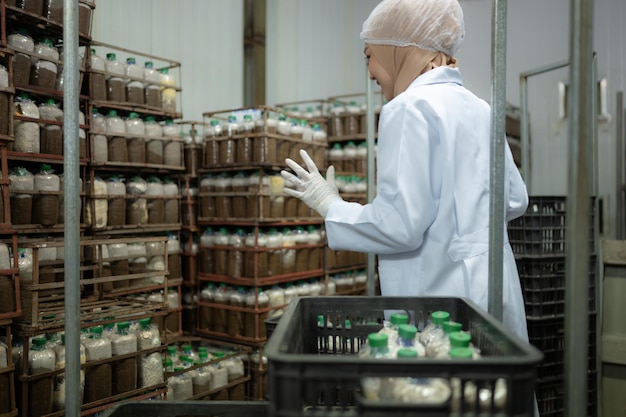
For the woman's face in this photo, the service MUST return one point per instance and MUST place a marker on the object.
(379, 74)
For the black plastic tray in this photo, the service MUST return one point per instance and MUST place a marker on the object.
(313, 369)
(189, 408)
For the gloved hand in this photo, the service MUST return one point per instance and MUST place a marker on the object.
(309, 186)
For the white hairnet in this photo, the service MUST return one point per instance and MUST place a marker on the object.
(433, 25)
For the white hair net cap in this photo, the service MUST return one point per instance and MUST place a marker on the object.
(433, 25)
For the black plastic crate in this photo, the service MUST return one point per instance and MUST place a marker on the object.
(270, 325)
(189, 408)
(543, 286)
(549, 335)
(314, 369)
(551, 397)
(541, 230)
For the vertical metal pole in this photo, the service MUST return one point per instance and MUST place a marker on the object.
(496, 181)
(577, 227)
(371, 174)
(619, 168)
(71, 200)
(525, 133)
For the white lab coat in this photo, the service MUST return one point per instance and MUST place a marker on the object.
(429, 222)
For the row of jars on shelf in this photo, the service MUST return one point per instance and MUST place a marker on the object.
(42, 136)
(223, 146)
(200, 368)
(35, 63)
(136, 140)
(53, 11)
(262, 252)
(130, 83)
(136, 201)
(99, 380)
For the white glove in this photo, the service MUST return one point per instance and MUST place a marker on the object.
(309, 186)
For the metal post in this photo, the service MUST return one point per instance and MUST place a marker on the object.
(369, 117)
(498, 134)
(71, 203)
(580, 109)
(619, 168)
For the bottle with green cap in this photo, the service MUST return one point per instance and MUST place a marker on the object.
(41, 359)
(124, 371)
(134, 84)
(116, 79)
(173, 146)
(51, 135)
(26, 132)
(168, 90)
(21, 40)
(152, 88)
(148, 334)
(46, 205)
(98, 87)
(439, 347)
(98, 378)
(44, 69)
(180, 385)
(201, 379)
(219, 372)
(434, 329)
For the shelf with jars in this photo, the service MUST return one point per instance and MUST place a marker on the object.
(10, 299)
(7, 371)
(120, 359)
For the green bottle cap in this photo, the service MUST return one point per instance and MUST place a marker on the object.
(145, 322)
(39, 341)
(461, 353)
(452, 326)
(123, 325)
(171, 350)
(130, 61)
(133, 115)
(439, 317)
(460, 339)
(111, 56)
(96, 330)
(407, 331)
(406, 353)
(399, 318)
(377, 340)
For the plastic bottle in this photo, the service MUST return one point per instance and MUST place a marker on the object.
(288, 253)
(98, 378)
(137, 144)
(221, 296)
(21, 40)
(116, 192)
(59, 389)
(236, 320)
(172, 204)
(168, 94)
(223, 200)
(207, 318)
(211, 145)
(350, 156)
(434, 330)
(98, 84)
(240, 200)
(46, 206)
(244, 145)
(315, 253)
(415, 390)
(21, 204)
(96, 213)
(180, 384)
(154, 144)
(156, 206)
(283, 147)
(227, 146)
(26, 132)
(336, 119)
(40, 359)
(236, 254)
(361, 157)
(276, 299)
(124, 370)
(116, 84)
(137, 207)
(377, 348)
(43, 71)
(100, 151)
(219, 377)
(51, 135)
(440, 348)
(152, 89)
(116, 128)
(173, 147)
(274, 261)
(134, 85)
(252, 297)
(202, 378)
(336, 156)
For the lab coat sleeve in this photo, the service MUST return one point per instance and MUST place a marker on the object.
(409, 181)
(518, 195)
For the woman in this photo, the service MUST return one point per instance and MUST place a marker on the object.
(429, 222)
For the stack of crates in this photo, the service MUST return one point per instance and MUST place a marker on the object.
(538, 241)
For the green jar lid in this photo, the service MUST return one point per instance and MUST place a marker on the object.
(130, 60)
(171, 349)
(133, 115)
(461, 353)
(145, 322)
(39, 341)
(219, 354)
(203, 349)
(96, 330)
(377, 340)
(406, 353)
(439, 317)
(112, 113)
(460, 339)
(399, 318)
(148, 64)
(123, 325)
(452, 326)
(407, 331)
(111, 56)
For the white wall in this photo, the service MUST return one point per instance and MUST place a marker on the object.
(314, 52)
